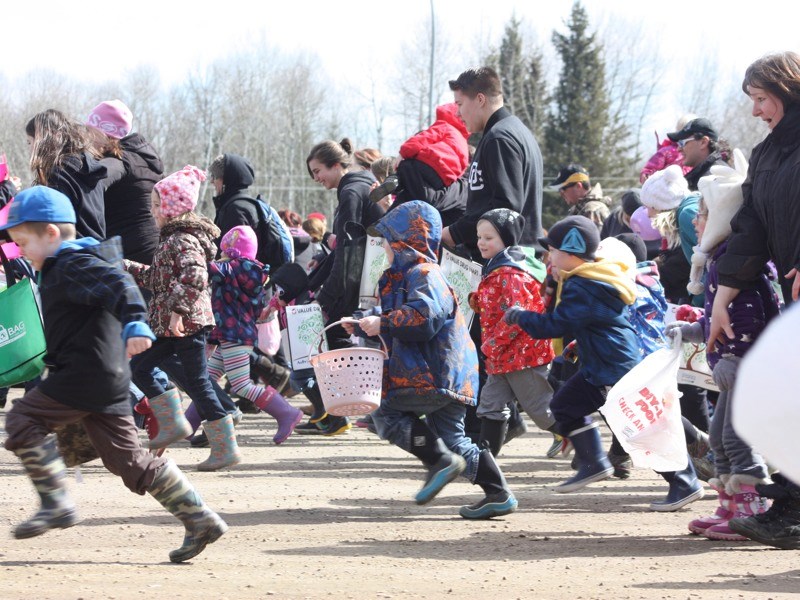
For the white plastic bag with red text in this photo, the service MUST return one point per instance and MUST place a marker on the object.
(643, 410)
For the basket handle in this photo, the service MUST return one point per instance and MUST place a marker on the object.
(318, 344)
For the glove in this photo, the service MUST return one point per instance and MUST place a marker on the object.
(691, 333)
(514, 315)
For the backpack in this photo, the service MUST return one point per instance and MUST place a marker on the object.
(275, 247)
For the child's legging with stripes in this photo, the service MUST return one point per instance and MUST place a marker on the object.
(233, 360)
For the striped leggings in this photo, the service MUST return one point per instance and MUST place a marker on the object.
(233, 360)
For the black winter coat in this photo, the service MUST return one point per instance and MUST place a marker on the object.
(767, 225)
(129, 185)
(80, 178)
(86, 300)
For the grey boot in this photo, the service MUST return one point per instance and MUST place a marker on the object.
(203, 526)
(47, 472)
(172, 423)
(224, 449)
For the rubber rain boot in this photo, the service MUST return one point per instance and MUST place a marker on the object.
(499, 500)
(224, 449)
(592, 462)
(443, 465)
(276, 406)
(172, 424)
(684, 488)
(47, 472)
(203, 526)
(493, 435)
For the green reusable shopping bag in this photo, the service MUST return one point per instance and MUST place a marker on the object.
(22, 344)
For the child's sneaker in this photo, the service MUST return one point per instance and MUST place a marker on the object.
(555, 448)
(622, 463)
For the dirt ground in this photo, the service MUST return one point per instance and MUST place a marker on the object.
(325, 517)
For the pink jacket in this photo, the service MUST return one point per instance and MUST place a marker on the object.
(667, 154)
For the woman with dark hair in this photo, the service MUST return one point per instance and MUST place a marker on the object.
(767, 227)
(330, 164)
(62, 158)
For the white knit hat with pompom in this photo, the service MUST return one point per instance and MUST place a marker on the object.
(665, 190)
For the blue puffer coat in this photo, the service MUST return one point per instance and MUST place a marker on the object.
(429, 345)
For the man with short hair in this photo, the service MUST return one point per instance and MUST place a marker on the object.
(506, 171)
(701, 147)
(576, 190)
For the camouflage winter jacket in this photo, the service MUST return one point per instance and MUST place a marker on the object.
(178, 276)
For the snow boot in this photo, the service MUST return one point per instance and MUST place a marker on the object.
(443, 465)
(684, 488)
(493, 434)
(499, 500)
(276, 406)
(203, 526)
(780, 525)
(224, 449)
(592, 464)
(47, 472)
(724, 511)
(747, 502)
(270, 373)
(168, 413)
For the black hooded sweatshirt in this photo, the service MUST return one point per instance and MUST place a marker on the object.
(234, 206)
(129, 186)
(80, 178)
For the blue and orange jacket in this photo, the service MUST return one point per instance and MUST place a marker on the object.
(430, 350)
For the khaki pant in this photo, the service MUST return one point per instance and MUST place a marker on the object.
(115, 437)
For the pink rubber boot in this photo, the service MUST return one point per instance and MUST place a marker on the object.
(747, 501)
(275, 405)
(724, 511)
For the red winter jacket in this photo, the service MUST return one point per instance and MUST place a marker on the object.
(442, 146)
(507, 347)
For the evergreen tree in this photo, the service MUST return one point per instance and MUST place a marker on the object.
(581, 128)
(524, 90)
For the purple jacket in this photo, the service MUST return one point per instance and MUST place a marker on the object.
(237, 299)
(749, 312)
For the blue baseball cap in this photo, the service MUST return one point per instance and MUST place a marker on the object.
(39, 204)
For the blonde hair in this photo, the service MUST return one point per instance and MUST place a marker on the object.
(666, 222)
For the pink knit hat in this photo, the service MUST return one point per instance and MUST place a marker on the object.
(179, 191)
(240, 242)
(111, 117)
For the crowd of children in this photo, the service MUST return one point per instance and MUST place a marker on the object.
(603, 301)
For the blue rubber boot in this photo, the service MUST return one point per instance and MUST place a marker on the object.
(684, 487)
(499, 500)
(593, 465)
(443, 466)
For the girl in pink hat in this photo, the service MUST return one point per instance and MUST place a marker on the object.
(237, 300)
(181, 317)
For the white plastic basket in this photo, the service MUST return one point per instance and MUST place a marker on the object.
(349, 379)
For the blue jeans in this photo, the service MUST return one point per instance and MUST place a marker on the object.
(445, 417)
(191, 352)
(172, 367)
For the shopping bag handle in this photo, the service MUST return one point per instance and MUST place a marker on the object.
(318, 344)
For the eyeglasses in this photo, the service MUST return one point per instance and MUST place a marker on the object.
(682, 143)
(566, 187)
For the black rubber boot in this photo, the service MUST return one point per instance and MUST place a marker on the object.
(493, 435)
(499, 500)
(516, 424)
(443, 465)
(684, 487)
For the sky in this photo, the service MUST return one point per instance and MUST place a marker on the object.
(96, 41)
